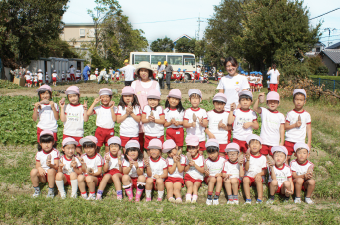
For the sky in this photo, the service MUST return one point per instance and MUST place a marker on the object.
(181, 16)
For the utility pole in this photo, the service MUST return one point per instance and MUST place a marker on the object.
(199, 25)
(329, 33)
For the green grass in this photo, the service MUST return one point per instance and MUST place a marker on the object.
(326, 77)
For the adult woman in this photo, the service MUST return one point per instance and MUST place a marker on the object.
(274, 78)
(233, 83)
(141, 86)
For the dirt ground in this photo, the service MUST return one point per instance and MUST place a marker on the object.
(91, 89)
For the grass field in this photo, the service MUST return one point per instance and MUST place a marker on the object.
(326, 77)
(17, 159)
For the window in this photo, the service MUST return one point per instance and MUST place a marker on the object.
(91, 33)
(158, 58)
(140, 58)
(82, 32)
(175, 60)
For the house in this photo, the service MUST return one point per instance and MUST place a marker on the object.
(335, 46)
(331, 58)
(183, 36)
(316, 49)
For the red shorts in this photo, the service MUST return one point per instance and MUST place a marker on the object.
(99, 179)
(103, 135)
(243, 145)
(260, 85)
(39, 131)
(266, 149)
(29, 81)
(273, 87)
(222, 147)
(202, 146)
(113, 172)
(252, 85)
(126, 139)
(54, 79)
(62, 78)
(77, 78)
(35, 82)
(68, 179)
(40, 81)
(278, 191)
(141, 140)
(134, 182)
(175, 180)
(117, 78)
(219, 78)
(187, 177)
(69, 78)
(75, 138)
(154, 183)
(197, 76)
(149, 138)
(252, 180)
(176, 134)
(290, 147)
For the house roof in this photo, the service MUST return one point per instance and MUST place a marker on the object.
(335, 46)
(333, 54)
(184, 35)
(78, 24)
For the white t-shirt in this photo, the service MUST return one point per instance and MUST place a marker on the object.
(113, 163)
(198, 130)
(173, 113)
(300, 169)
(242, 117)
(68, 75)
(256, 165)
(72, 70)
(153, 129)
(96, 72)
(176, 174)
(232, 86)
(93, 162)
(35, 78)
(215, 167)
(54, 75)
(78, 74)
(47, 120)
(270, 128)
(232, 168)
(129, 127)
(214, 119)
(220, 74)
(40, 76)
(104, 117)
(198, 70)
(157, 166)
(273, 76)
(68, 169)
(74, 125)
(297, 134)
(133, 171)
(145, 85)
(252, 79)
(129, 72)
(28, 77)
(63, 76)
(193, 172)
(282, 174)
(41, 157)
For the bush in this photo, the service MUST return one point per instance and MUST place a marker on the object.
(322, 70)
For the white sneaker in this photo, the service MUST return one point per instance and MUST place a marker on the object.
(50, 194)
(91, 197)
(84, 196)
(188, 200)
(257, 202)
(247, 203)
(215, 202)
(209, 202)
(235, 202)
(74, 196)
(230, 202)
(36, 194)
(193, 201)
(63, 195)
(309, 201)
(297, 200)
(270, 202)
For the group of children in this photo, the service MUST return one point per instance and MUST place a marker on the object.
(35, 79)
(246, 160)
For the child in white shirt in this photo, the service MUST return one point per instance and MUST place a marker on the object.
(40, 77)
(63, 76)
(54, 77)
(35, 79)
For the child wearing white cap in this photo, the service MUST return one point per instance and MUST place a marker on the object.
(35, 79)
(106, 117)
(54, 77)
(40, 77)
(302, 172)
(298, 123)
(218, 120)
(244, 120)
(63, 77)
(280, 176)
(195, 118)
(28, 80)
(213, 167)
(133, 169)
(78, 76)
(73, 115)
(255, 168)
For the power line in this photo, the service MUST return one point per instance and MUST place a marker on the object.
(324, 14)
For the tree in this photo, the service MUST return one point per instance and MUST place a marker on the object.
(27, 27)
(162, 45)
(185, 45)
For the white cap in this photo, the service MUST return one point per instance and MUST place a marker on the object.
(132, 144)
(220, 97)
(105, 91)
(301, 145)
(279, 149)
(212, 142)
(114, 140)
(253, 137)
(301, 91)
(194, 91)
(246, 92)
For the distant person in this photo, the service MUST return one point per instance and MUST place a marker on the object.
(72, 71)
(160, 75)
(274, 78)
(129, 71)
(103, 74)
(198, 73)
(86, 72)
(168, 70)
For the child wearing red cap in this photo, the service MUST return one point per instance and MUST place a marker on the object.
(106, 117)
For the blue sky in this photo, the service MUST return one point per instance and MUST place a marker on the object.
(142, 12)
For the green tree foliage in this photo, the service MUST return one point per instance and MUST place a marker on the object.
(316, 66)
(162, 45)
(27, 28)
(185, 45)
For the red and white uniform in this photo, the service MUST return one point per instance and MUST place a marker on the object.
(193, 172)
(242, 117)
(153, 129)
(232, 168)
(113, 163)
(54, 77)
(173, 132)
(62, 76)
(41, 157)
(129, 127)
(252, 80)
(297, 134)
(74, 125)
(93, 162)
(35, 79)
(117, 75)
(157, 166)
(198, 73)
(219, 75)
(282, 174)
(193, 76)
(68, 169)
(40, 77)
(220, 134)
(256, 165)
(96, 73)
(133, 171)
(176, 174)
(198, 130)
(68, 76)
(215, 167)
(300, 169)
(28, 79)
(178, 76)
(47, 120)
(104, 117)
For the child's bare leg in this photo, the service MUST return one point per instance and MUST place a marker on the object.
(126, 180)
(190, 186)
(91, 183)
(298, 182)
(211, 184)
(286, 185)
(201, 152)
(234, 185)
(177, 189)
(259, 187)
(227, 185)
(81, 184)
(288, 159)
(219, 183)
(34, 177)
(51, 177)
(117, 181)
(246, 187)
(169, 189)
(160, 184)
(310, 186)
(123, 150)
(106, 179)
(149, 184)
(273, 187)
(107, 149)
(196, 187)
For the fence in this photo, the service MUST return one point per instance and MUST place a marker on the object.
(331, 85)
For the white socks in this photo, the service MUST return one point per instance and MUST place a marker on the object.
(148, 193)
(60, 186)
(61, 189)
(160, 194)
(74, 185)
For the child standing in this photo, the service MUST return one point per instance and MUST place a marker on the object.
(91, 165)
(219, 75)
(69, 168)
(133, 169)
(68, 76)
(302, 172)
(232, 173)
(73, 116)
(47, 161)
(62, 76)
(156, 170)
(252, 80)
(213, 171)
(35, 79)
(113, 170)
(78, 75)
(48, 114)
(194, 170)
(47, 78)
(106, 117)
(176, 164)
(153, 118)
(40, 77)
(298, 123)
(195, 118)
(129, 116)
(174, 114)
(28, 79)
(255, 168)
(96, 72)
(273, 122)
(280, 175)
(218, 118)
(54, 77)
(117, 75)
(244, 120)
